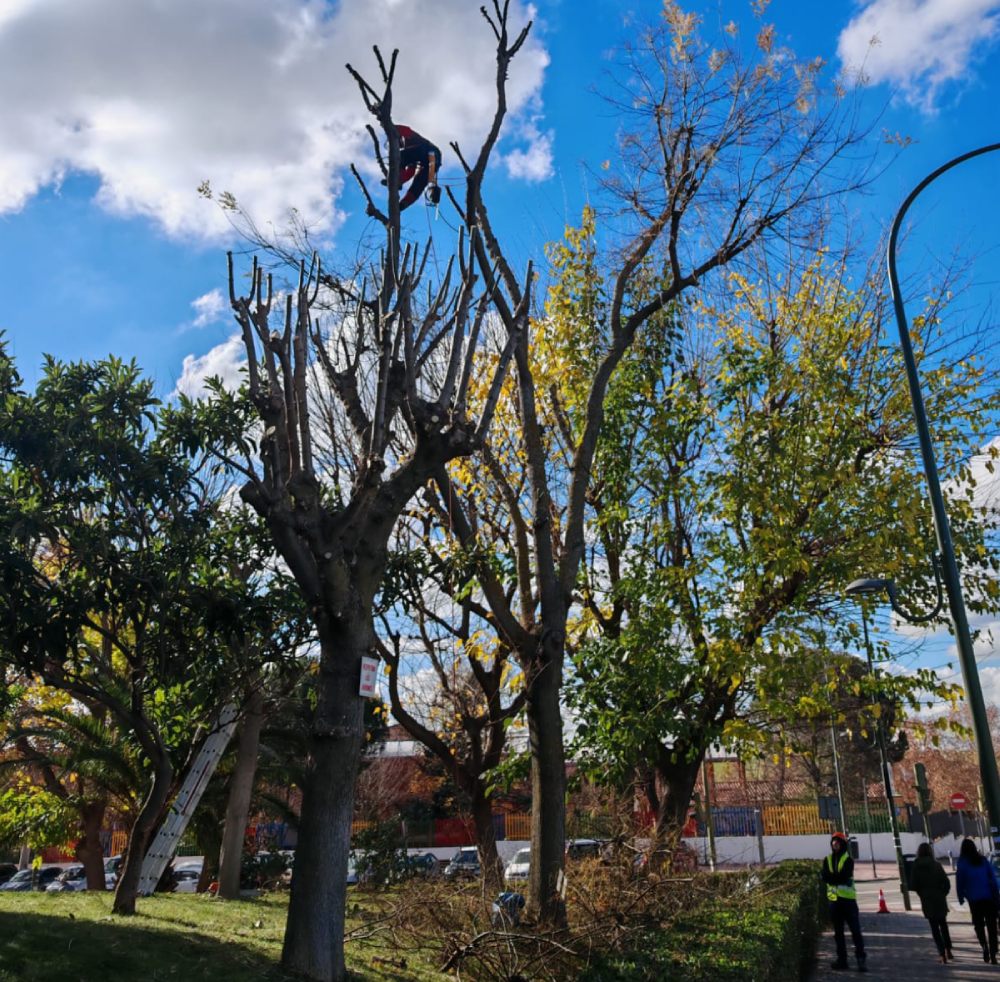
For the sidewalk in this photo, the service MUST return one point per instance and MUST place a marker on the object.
(899, 943)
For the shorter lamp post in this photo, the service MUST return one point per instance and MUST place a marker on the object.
(866, 587)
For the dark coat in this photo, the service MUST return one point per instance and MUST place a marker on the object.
(930, 882)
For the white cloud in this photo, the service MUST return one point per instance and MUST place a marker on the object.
(153, 98)
(226, 360)
(209, 308)
(921, 46)
(985, 470)
(534, 163)
(989, 679)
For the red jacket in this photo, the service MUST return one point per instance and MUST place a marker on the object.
(408, 138)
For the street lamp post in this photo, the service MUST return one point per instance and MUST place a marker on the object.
(840, 788)
(883, 752)
(868, 822)
(949, 566)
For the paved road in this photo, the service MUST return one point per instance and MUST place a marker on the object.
(899, 943)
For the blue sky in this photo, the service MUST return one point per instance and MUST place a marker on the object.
(116, 110)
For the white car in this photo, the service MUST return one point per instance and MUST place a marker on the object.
(71, 879)
(74, 879)
(186, 878)
(518, 868)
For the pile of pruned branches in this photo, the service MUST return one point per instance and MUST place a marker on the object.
(609, 906)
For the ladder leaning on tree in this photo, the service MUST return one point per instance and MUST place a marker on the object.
(165, 843)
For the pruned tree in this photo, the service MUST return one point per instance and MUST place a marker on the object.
(721, 149)
(361, 394)
(453, 684)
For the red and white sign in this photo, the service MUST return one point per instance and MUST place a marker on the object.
(369, 676)
(958, 802)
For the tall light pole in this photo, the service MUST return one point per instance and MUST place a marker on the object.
(860, 588)
(868, 822)
(949, 566)
(840, 788)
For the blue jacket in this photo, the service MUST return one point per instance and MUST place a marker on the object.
(976, 882)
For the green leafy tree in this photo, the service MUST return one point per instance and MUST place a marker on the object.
(35, 817)
(117, 585)
(78, 755)
(747, 475)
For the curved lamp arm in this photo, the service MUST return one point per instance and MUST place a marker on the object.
(866, 585)
(898, 221)
(938, 607)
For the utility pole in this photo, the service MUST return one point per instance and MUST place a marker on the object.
(758, 815)
(924, 796)
(709, 820)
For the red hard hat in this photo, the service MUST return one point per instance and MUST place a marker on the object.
(839, 835)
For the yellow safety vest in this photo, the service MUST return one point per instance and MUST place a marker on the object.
(842, 891)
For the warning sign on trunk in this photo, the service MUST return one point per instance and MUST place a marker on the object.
(369, 676)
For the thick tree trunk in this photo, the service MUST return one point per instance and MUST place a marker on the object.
(208, 839)
(88, 848)
(548, 795)
(676, 786)
(240, 793)
(314, 935)
(139, 838)
(486, 840)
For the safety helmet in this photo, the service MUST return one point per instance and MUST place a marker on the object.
(840, 836)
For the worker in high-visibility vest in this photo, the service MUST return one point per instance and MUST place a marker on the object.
(838, 875)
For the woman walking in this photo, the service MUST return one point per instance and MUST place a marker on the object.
(930, 882)
(976, 882)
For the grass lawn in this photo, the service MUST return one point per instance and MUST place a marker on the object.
(707, 928)
(72, 937)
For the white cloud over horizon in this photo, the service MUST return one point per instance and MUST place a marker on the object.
(918, 46)
(252, 95)
(209, 308)
(226, 360)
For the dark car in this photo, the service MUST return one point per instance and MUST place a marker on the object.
(587, 848)
(29, 879)
(422, 864)
(465, 862)
(7, 870)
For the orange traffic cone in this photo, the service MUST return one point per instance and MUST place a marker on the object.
(882, 908)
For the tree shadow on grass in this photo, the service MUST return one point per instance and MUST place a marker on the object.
(39, 948)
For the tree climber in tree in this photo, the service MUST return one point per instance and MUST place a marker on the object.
(419, 160)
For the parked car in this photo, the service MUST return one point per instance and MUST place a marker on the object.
(112, 870)
(70, 880)
(28, 879)
(354, 875)
(7, 870)
(519, 867)
(465, 863)
(422, 864)
(186, 878)
(586, 848)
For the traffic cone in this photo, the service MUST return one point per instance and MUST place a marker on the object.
(882, 908)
